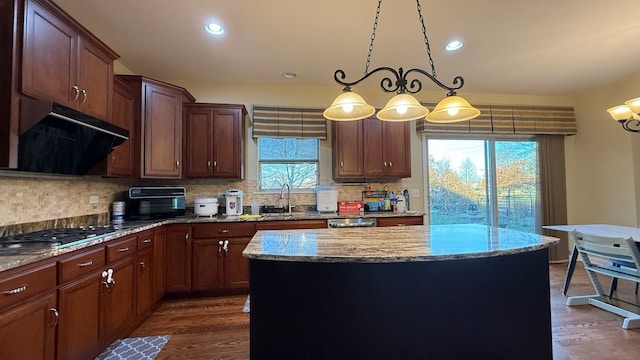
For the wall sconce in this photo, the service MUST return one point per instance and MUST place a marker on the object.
(628, 115)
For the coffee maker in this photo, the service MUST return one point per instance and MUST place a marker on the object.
(234, 202)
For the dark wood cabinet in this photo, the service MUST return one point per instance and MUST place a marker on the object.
(119, 300)
(178, 258)
(29, 312)
(214, 140)
(62, 65)
(372, 149)
(399, 221)
(291, 224)
(208, 270)
(146, 277)
(347, 149)
(217, 259)
(28, 331)
(157, 145)
(159, 258)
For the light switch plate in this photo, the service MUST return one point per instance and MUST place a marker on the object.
(415, 192)
(93, 199)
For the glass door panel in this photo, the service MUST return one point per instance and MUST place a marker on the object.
(457, 182)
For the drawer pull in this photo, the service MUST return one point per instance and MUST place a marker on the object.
(123, 249)
(84, 96)
(16, 290)
(146, 241)
(76, 92)
(85, 264)
(224, 231)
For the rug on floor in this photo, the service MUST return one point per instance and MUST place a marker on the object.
(247, 305)
(140, 348)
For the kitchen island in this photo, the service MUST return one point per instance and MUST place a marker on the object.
(418, 292)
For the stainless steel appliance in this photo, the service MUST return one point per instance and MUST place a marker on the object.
(234, 202)
(154, 202)
(351, 222)
(50, 239)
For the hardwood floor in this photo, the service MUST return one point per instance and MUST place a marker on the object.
(216, 328)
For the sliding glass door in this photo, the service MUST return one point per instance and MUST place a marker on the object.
(489, 182)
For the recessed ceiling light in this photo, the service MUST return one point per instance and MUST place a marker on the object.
(214, 29)
(289, 75)
(454, 45)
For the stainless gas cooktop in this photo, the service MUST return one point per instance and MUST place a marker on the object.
(50, 239)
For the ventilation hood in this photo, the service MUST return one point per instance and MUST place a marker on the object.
(59, 140)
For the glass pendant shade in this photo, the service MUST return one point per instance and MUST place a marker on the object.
(634, 105)
(348, 106)
(620, 112)
(402, 107)
(453, 108)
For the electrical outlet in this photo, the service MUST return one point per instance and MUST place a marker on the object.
(415, 193)
(93, 199)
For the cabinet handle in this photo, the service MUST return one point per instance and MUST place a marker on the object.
(177, 164)
(385, 164)
(56, 316)
(85, 264)
(341, 164)
(113, 158)
(225, 247)
(208, 164)
(186, 236)
(220, 244)
(215, 164)
(146, 241)
(141, 263)
(123, 249)
(76, 92)
(224, 231)
(17, 290)
(84, 96)
(390, 164)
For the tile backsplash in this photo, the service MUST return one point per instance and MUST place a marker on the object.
(40, 199)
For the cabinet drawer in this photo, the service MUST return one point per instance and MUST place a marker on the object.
(224, 230)
(82, 263)
(291, 224)
(400, 221)
(23, 286)
(145, 240)
(121, 248)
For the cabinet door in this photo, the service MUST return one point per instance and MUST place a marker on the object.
(207, 264)
(199, 142)
(95, 73)
(49, 57)
(119, 309)
(122, 114)
(236, 267)
(159, 253)
(347, 149)
(397, 149)
(79, 324)
(28, 331)
(374, 158)
(162, 132)
(146, 291)
(227, 143)
(178, 258)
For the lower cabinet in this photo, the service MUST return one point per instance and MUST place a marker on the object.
(178, 258)
(399, 221)
(145, 280)
(159, 257)
(29, 330)
(119, 300)
(208, 265)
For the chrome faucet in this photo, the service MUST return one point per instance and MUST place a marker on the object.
(288, 196)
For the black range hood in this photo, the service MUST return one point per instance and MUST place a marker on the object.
(59, 140)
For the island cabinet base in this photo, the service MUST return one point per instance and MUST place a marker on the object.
(480, 308)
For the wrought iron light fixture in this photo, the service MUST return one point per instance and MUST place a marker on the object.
(628, 115)
(403, 106)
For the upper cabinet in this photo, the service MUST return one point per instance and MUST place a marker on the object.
(214, 140)
(63, 64)
(157, 144)
(371, 149)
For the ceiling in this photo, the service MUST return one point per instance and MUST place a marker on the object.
(541, 47)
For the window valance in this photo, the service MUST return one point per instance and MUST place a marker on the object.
(288, 122)
(505, 119)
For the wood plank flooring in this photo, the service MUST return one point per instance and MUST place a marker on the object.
(216, 328)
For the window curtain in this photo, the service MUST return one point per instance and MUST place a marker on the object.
(553, 193)
(288, 122)
(508, 119)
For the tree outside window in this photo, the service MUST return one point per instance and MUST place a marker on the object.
(288, 161)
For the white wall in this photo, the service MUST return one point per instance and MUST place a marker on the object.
(603, 165)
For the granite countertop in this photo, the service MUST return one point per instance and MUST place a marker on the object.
(131, 227)
(392, 244)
